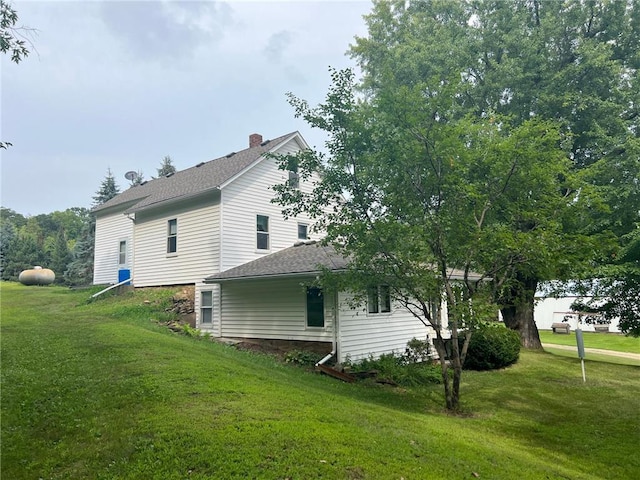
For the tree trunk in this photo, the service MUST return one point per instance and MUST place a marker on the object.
(518, 313)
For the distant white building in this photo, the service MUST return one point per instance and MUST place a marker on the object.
(549, 310)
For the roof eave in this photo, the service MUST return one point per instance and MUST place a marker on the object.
(169, 201)
(210, 281)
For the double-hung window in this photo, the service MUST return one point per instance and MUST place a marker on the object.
(172, 236)
(303, 231)
(379, 299)
(294, 177)
(262, 232)
(206, 307)
(122, 253)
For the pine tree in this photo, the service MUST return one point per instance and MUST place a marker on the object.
(108, 189)
(80, 271)
(60, 256)
(166, 167)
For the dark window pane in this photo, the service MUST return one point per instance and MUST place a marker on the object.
(207, 316)
(172, 244)
(302, 232)
(385, 298)
(263, 223)
(315, 307)
(173, 227)
(206, 299)
(263, 241)
(372, 300)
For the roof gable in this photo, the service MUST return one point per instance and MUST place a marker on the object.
(193, 181)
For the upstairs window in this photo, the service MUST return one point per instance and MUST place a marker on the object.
(303, 231)
(262, 232)
(206, 308)
(172, 236)
(379, 299)
(294, 177)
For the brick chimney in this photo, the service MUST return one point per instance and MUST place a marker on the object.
(255, 139)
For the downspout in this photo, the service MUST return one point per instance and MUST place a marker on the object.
(334, 342)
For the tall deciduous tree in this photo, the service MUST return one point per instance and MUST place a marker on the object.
(574, 62)
(418, 200)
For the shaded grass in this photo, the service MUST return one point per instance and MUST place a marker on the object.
(593, 357)
(101, 391)
(606, 341)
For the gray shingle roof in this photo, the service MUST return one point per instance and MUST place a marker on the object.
(303, 258)
(300, 259)
(192, 181)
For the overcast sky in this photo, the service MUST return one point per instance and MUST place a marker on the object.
(121, 84)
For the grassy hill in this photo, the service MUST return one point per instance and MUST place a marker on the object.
(102, 391)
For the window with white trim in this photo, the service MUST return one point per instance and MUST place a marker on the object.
(379, 299)
(122, 252)
(206, 307)
(262, 232)
(303, 231)
(172, 235)
(294, 177)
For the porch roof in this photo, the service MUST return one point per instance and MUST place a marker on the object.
(301, 259)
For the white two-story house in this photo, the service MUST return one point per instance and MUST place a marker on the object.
(214, 226)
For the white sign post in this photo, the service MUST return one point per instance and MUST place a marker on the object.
(580, 342)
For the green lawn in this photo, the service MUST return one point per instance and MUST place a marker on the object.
(606, 341)
(101, 391)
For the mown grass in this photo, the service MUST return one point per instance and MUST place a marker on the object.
(592, 357)
(101, 391)
(606, 341)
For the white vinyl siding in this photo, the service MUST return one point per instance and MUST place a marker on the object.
(197, 254)
(270, 309)
(250, 195)
(361, 334)
(110, 231)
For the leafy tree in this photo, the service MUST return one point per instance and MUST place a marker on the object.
(574, 62)
(616, 291)
(166, 167)
(418, 197)
(12, 39)
(108, 189)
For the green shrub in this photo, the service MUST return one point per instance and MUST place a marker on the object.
(302, 357)
(492, 346)
(395, 369)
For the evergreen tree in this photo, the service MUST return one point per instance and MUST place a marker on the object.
(166, 167)
(108, 189)
(80, 271)
(7, 235)
(60, 256)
